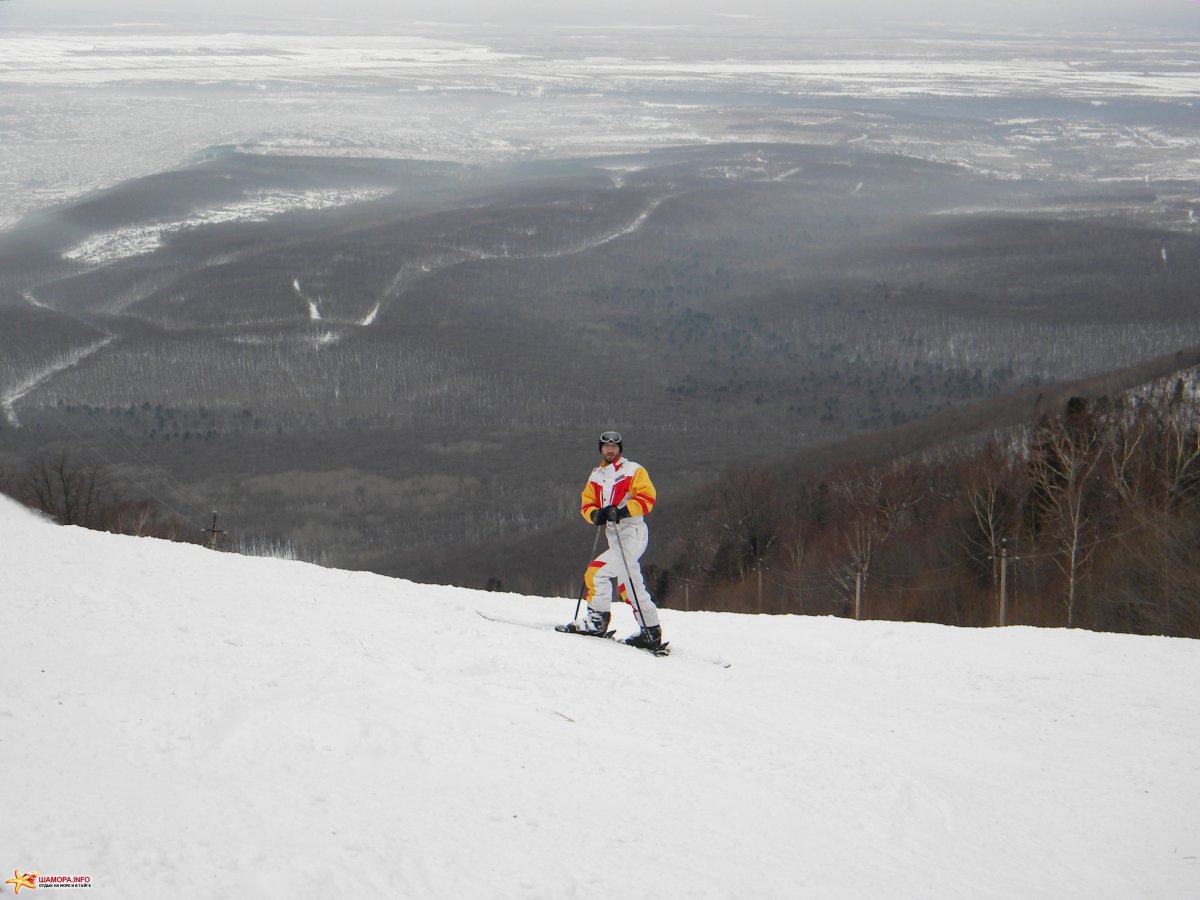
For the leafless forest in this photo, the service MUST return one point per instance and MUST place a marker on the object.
(1085, 518)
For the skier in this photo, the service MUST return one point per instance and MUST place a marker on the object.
(617, 497)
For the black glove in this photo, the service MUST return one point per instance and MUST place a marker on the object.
(614, 514)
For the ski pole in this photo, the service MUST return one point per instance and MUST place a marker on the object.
(583, 586)
(637, 606)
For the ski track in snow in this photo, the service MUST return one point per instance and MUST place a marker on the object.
(308, 732)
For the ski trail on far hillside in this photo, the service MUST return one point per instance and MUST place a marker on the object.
(586, 244)
(633, 226)
(327, 335)
(410, 273)
(40, 376)
(34, 301)
(314, 309)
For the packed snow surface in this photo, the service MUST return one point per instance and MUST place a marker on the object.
(176, 722)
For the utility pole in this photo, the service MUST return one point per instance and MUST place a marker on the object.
(858, 595)
(687, 596)
(212, 532)
(759, 568)
(1003, 581)
(1005, 559)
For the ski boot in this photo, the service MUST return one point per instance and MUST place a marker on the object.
(649, 639)
(594, 624)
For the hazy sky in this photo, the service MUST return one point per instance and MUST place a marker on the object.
(1025, 14)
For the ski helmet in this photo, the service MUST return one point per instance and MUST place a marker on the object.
(610, 437)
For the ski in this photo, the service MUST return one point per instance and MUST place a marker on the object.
(661, 650)
(541, 626)
(664, 650)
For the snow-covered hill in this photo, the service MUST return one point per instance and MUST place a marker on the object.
(181, 723)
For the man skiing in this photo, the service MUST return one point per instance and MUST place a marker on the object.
(617, 497)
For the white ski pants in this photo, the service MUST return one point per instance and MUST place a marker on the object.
(620, 561)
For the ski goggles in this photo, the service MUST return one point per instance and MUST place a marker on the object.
(610, 437)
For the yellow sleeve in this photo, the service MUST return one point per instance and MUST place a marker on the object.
(642, 495)
(591, 500)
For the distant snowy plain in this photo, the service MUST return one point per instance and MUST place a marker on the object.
(87, 109)
(176, 722)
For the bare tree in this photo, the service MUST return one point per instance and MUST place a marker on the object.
(136, 517)
(1065, 456)
(746, 509)
(797, 549)
(73, 493)
(875, 507)
(993, 494)
(1153, 454)
(1181, 449)
(1125, 441)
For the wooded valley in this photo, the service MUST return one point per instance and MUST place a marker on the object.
(413, 384)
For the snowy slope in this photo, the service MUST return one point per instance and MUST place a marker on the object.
(180, 723)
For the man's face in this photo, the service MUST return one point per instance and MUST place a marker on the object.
(609, 452)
